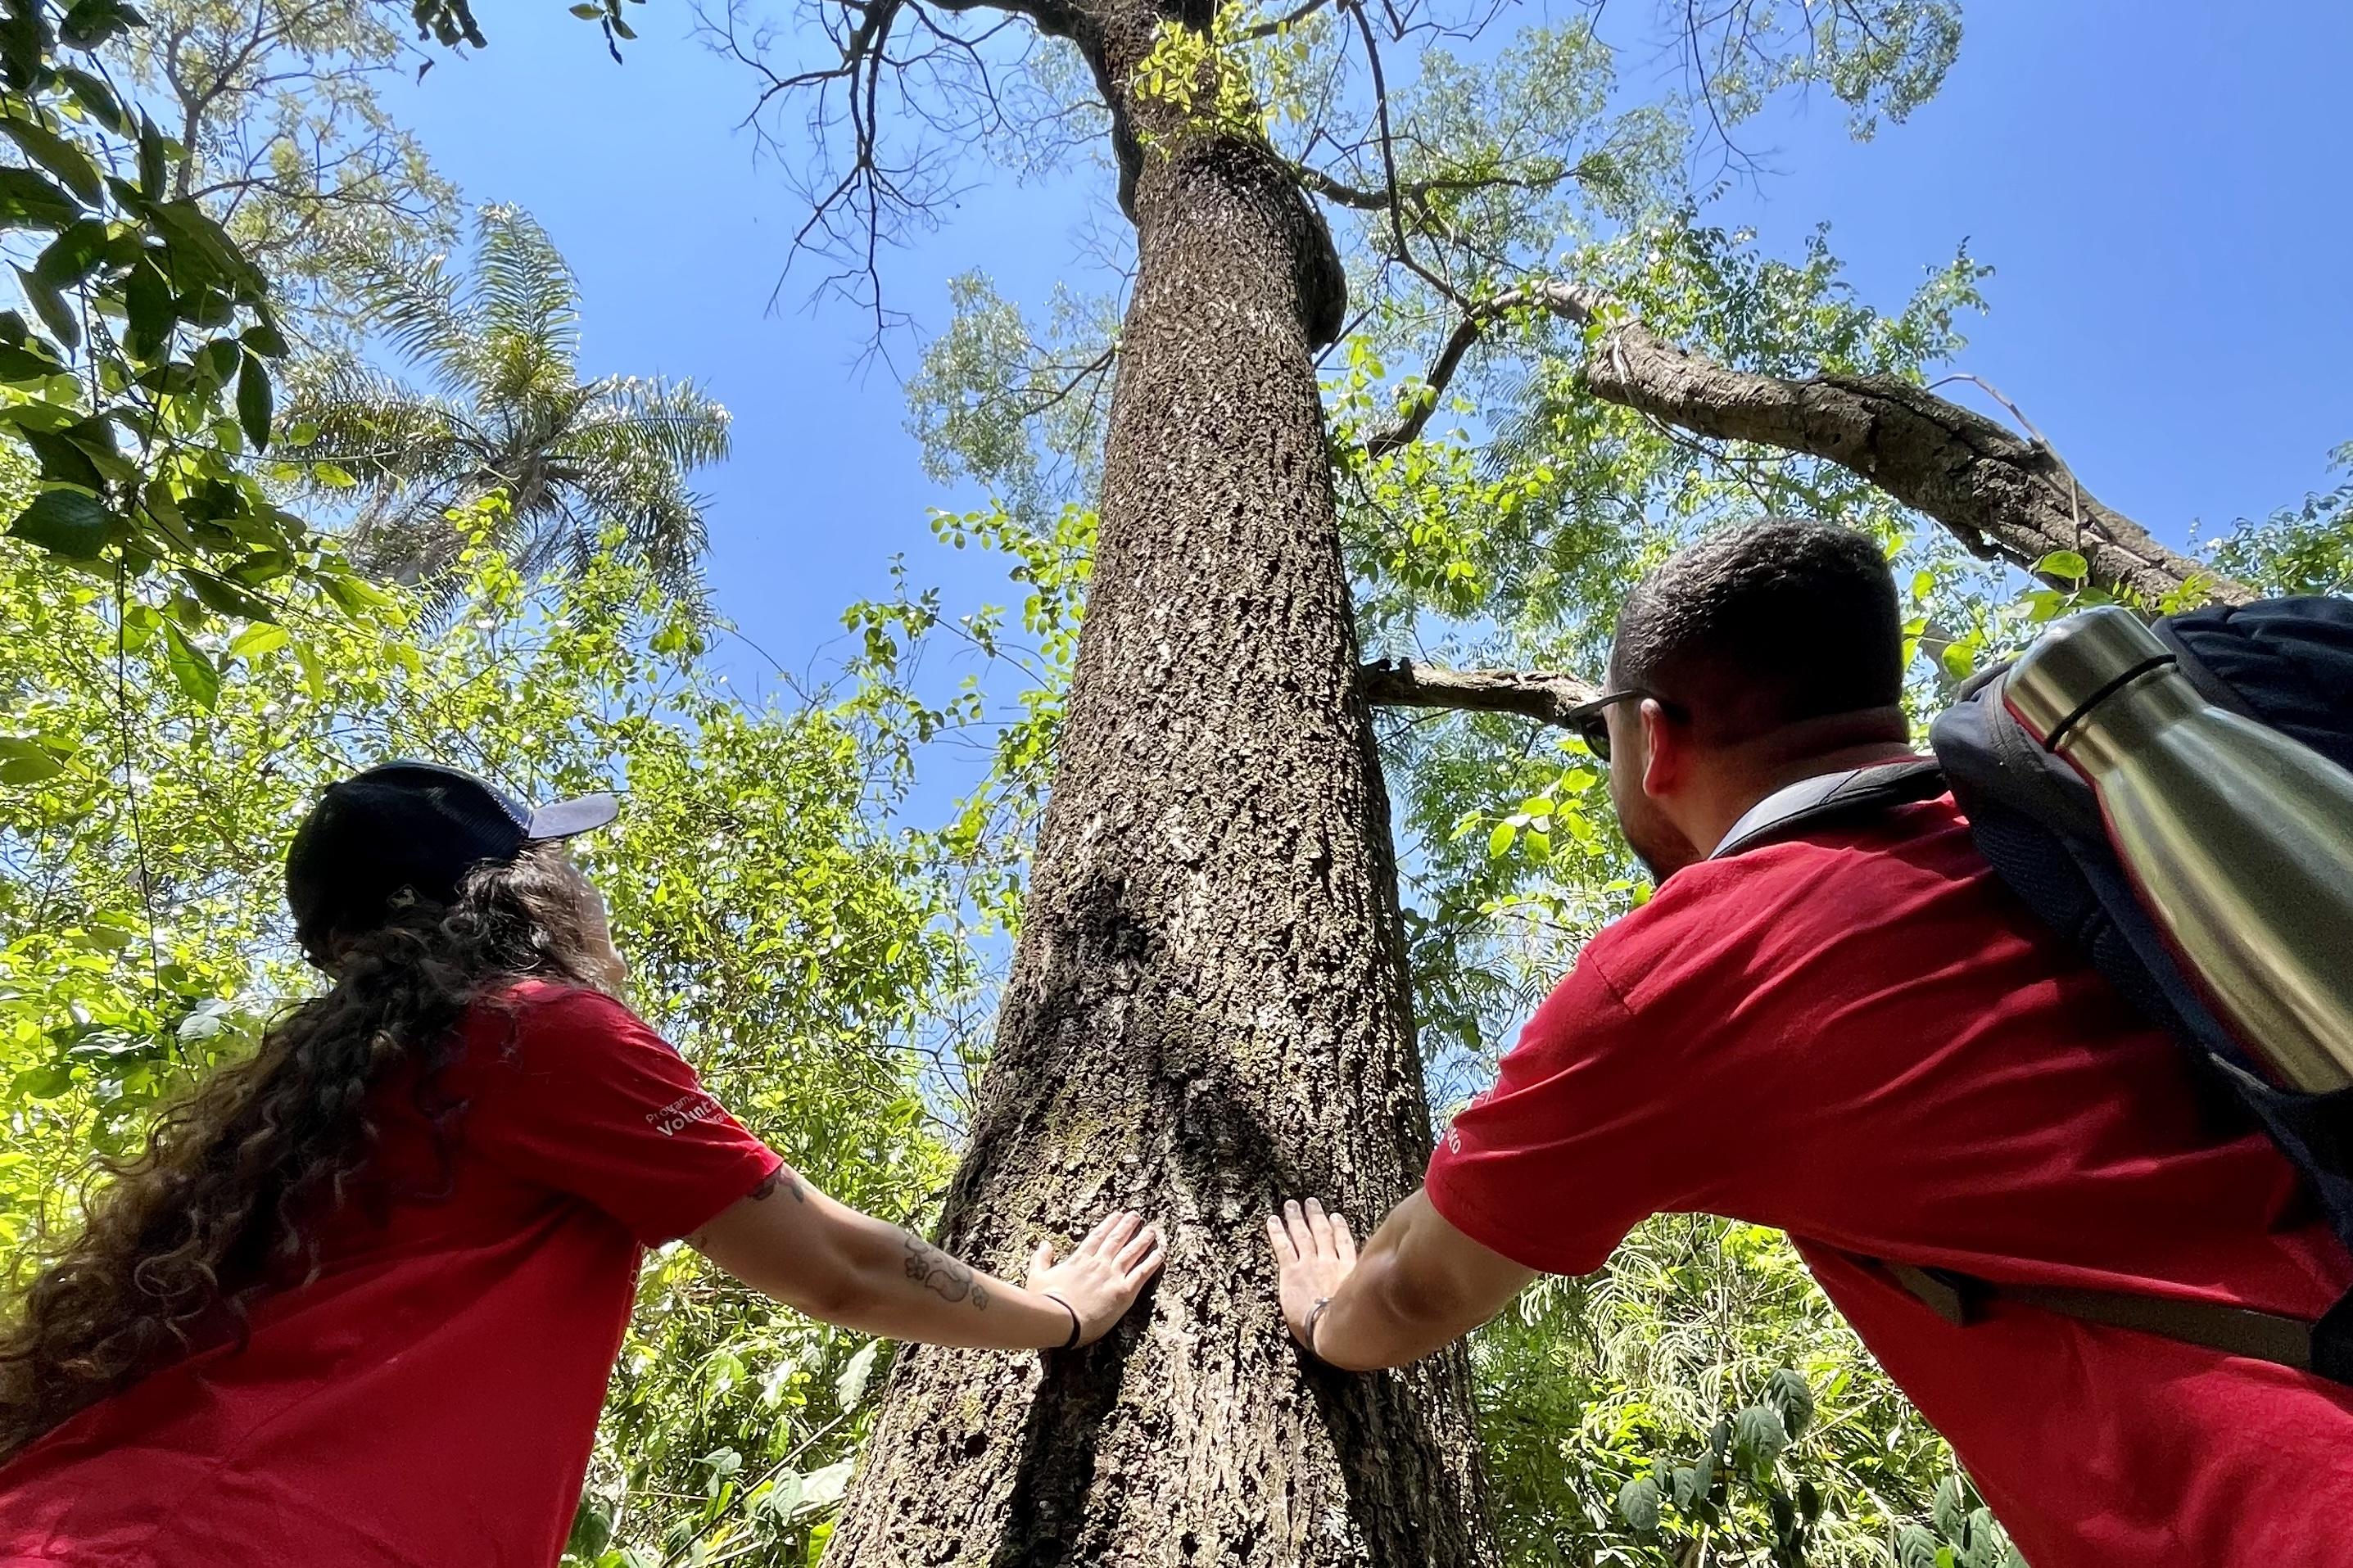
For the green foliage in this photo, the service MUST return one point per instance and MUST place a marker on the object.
(289, 145)
(2302, 549)
(1700, 1389)
(143, 384)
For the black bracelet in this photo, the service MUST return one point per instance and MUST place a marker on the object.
(1315, 1316)
(1072, 1342)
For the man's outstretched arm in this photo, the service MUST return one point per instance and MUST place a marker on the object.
(1419, 1286)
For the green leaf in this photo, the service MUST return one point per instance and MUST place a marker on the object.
(154, 175)
(194, 231)
(314, 673)
(354, 596)
(1499, 843)
(26, 761)
(65, 523)
(1787, 1392)
(262, 638)
(1957, 660)
(588, 13)
(219, 360)
(851, 1386)
(63, 460)
(1758, 1436)
(2066, 563)
(592, 1530)
(91, 22)
(147, 305)
(59, 156)
(823, 1488)
(28, 200)
(50, 306)
(265, 339)
(1689, 1484)
(97, 99)
(193, 673)
(73, 256)
(783, 1497)
(224, 597)
(253, 400)
(1915, 1548)
(20, 366)
(1947, 1511)
(1637, 1505)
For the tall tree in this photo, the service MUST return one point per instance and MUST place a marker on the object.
(1208, 1005)
(508, 413)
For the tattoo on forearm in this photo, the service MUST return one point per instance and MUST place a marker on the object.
(784, 1178)
(944, 1276)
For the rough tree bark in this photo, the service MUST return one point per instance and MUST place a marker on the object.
(1208, 1008)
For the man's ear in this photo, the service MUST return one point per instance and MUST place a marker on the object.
(1666, 747)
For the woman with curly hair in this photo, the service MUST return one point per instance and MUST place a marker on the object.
(357, 1302)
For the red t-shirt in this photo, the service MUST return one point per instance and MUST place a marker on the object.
(429, 1400)
(1861, 1038)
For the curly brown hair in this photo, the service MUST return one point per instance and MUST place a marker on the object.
(225, 1202)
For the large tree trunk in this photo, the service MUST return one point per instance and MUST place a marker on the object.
(1207, 1009)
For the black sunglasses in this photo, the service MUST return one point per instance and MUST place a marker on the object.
(1590, 720)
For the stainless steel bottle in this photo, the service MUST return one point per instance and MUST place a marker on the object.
(2240, 838)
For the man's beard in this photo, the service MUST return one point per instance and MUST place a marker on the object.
(1657, 842)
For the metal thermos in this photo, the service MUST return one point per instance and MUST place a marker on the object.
(2239, 838)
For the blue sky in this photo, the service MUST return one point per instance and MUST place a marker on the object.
(2161, 187)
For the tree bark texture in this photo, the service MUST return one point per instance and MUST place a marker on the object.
(1207, 1009)
(1545, 696)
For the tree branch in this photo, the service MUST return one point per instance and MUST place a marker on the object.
(1561, 298)
(2003, 495)
(1546, 697)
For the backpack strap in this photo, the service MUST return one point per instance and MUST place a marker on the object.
(1826, 797)
(2325, 1348)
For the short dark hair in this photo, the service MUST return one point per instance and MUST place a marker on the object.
(1763, 625)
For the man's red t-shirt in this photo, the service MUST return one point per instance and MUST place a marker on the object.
(429, 1400)
(1861, 1038)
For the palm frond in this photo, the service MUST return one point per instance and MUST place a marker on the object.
(526, 304)
(406, 295)
(577, 461)
(676, 419)
(382, 433)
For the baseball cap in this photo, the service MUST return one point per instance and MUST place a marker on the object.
(414, 826)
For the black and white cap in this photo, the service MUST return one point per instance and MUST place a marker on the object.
(412, 826)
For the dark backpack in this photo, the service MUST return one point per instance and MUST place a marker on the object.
(2287, 663)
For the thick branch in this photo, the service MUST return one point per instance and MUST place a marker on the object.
(1532, 694)
(2003, 495)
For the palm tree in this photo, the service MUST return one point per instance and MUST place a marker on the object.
(507, 411)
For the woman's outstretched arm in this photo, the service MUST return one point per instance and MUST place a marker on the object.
(790, 1241)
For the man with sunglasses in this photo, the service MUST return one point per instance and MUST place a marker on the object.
(1852, 1032)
